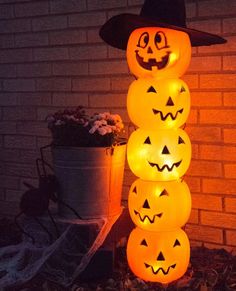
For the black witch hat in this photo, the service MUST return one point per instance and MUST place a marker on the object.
(161, 13)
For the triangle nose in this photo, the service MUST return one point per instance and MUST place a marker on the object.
(146, 204)
(165, 151)
(149, 51)
(160, 257)
(170, 102)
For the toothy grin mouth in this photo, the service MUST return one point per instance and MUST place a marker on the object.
(160, 269)
(164, 117)
(161, 169)
(152, 62)
(147, 217)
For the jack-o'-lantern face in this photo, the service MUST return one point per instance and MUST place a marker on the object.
(161, 155)
(155, 206)
(158, 52)
(157, 104)
(158, 256)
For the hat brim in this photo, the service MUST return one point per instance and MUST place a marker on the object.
(116, 31)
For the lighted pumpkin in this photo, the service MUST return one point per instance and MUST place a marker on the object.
(159, 206)
(154, 104)
(158, 256)
(158, 52)
(161, 155)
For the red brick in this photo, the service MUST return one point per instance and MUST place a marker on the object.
(43, 112)
(202, 99)
(215, 152)
(31, 40)
(53, 84)
(28, 156)
(209, 25)
(70, 99)
(69, 6)
(109, 100)
(108, 68)
(15, 25)
(194, 217)
(51, 54)
(34, 70)
(7, 70)
(32, 128)
(35, 98)
(220, 81)
(192, 118)
(7, 127)
(87, 19)
(14, 141)
(105, 4)
(6, 11)
(91, 85)
(215, 7)
(9, 182)
(121, 83)
(207, 202)
(19, 113)
(70, 69)
(49, 22)
(204, 233)
(230, 171)
(32, 9)
(231, 237)
(64, 37)
(13, 195)
(9, 208)
(229, 135)
(230, 205)
(191, 10)
(204, 134)
(218, 246)
(8, 99)
(205, 169)
(88, 52)
(114, 53)
(219, 186)
(217, 116)
(16, 56)
(93, 36)
(21, 170)
(9, 155)
(194, 183)
(221, 48)
(199, 64)
(6, 41)
(191, 80)
(229, 63)
(22, 85)
(218, 219)
(229, 99)
(229, 25)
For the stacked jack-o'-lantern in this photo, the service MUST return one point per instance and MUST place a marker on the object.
(159, 151)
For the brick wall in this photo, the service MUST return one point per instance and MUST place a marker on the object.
(51, 57)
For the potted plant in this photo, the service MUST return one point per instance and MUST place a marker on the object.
(88, 157)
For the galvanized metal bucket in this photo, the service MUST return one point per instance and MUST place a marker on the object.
(90, 179)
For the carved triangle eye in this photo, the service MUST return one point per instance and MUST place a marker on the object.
(151, 90)
(177, 243)
(135, 190)
(147, 140)
(180, 140)
(143, 243)
(164, 193)
(182, 89)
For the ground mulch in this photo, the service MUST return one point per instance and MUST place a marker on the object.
(209, 270)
